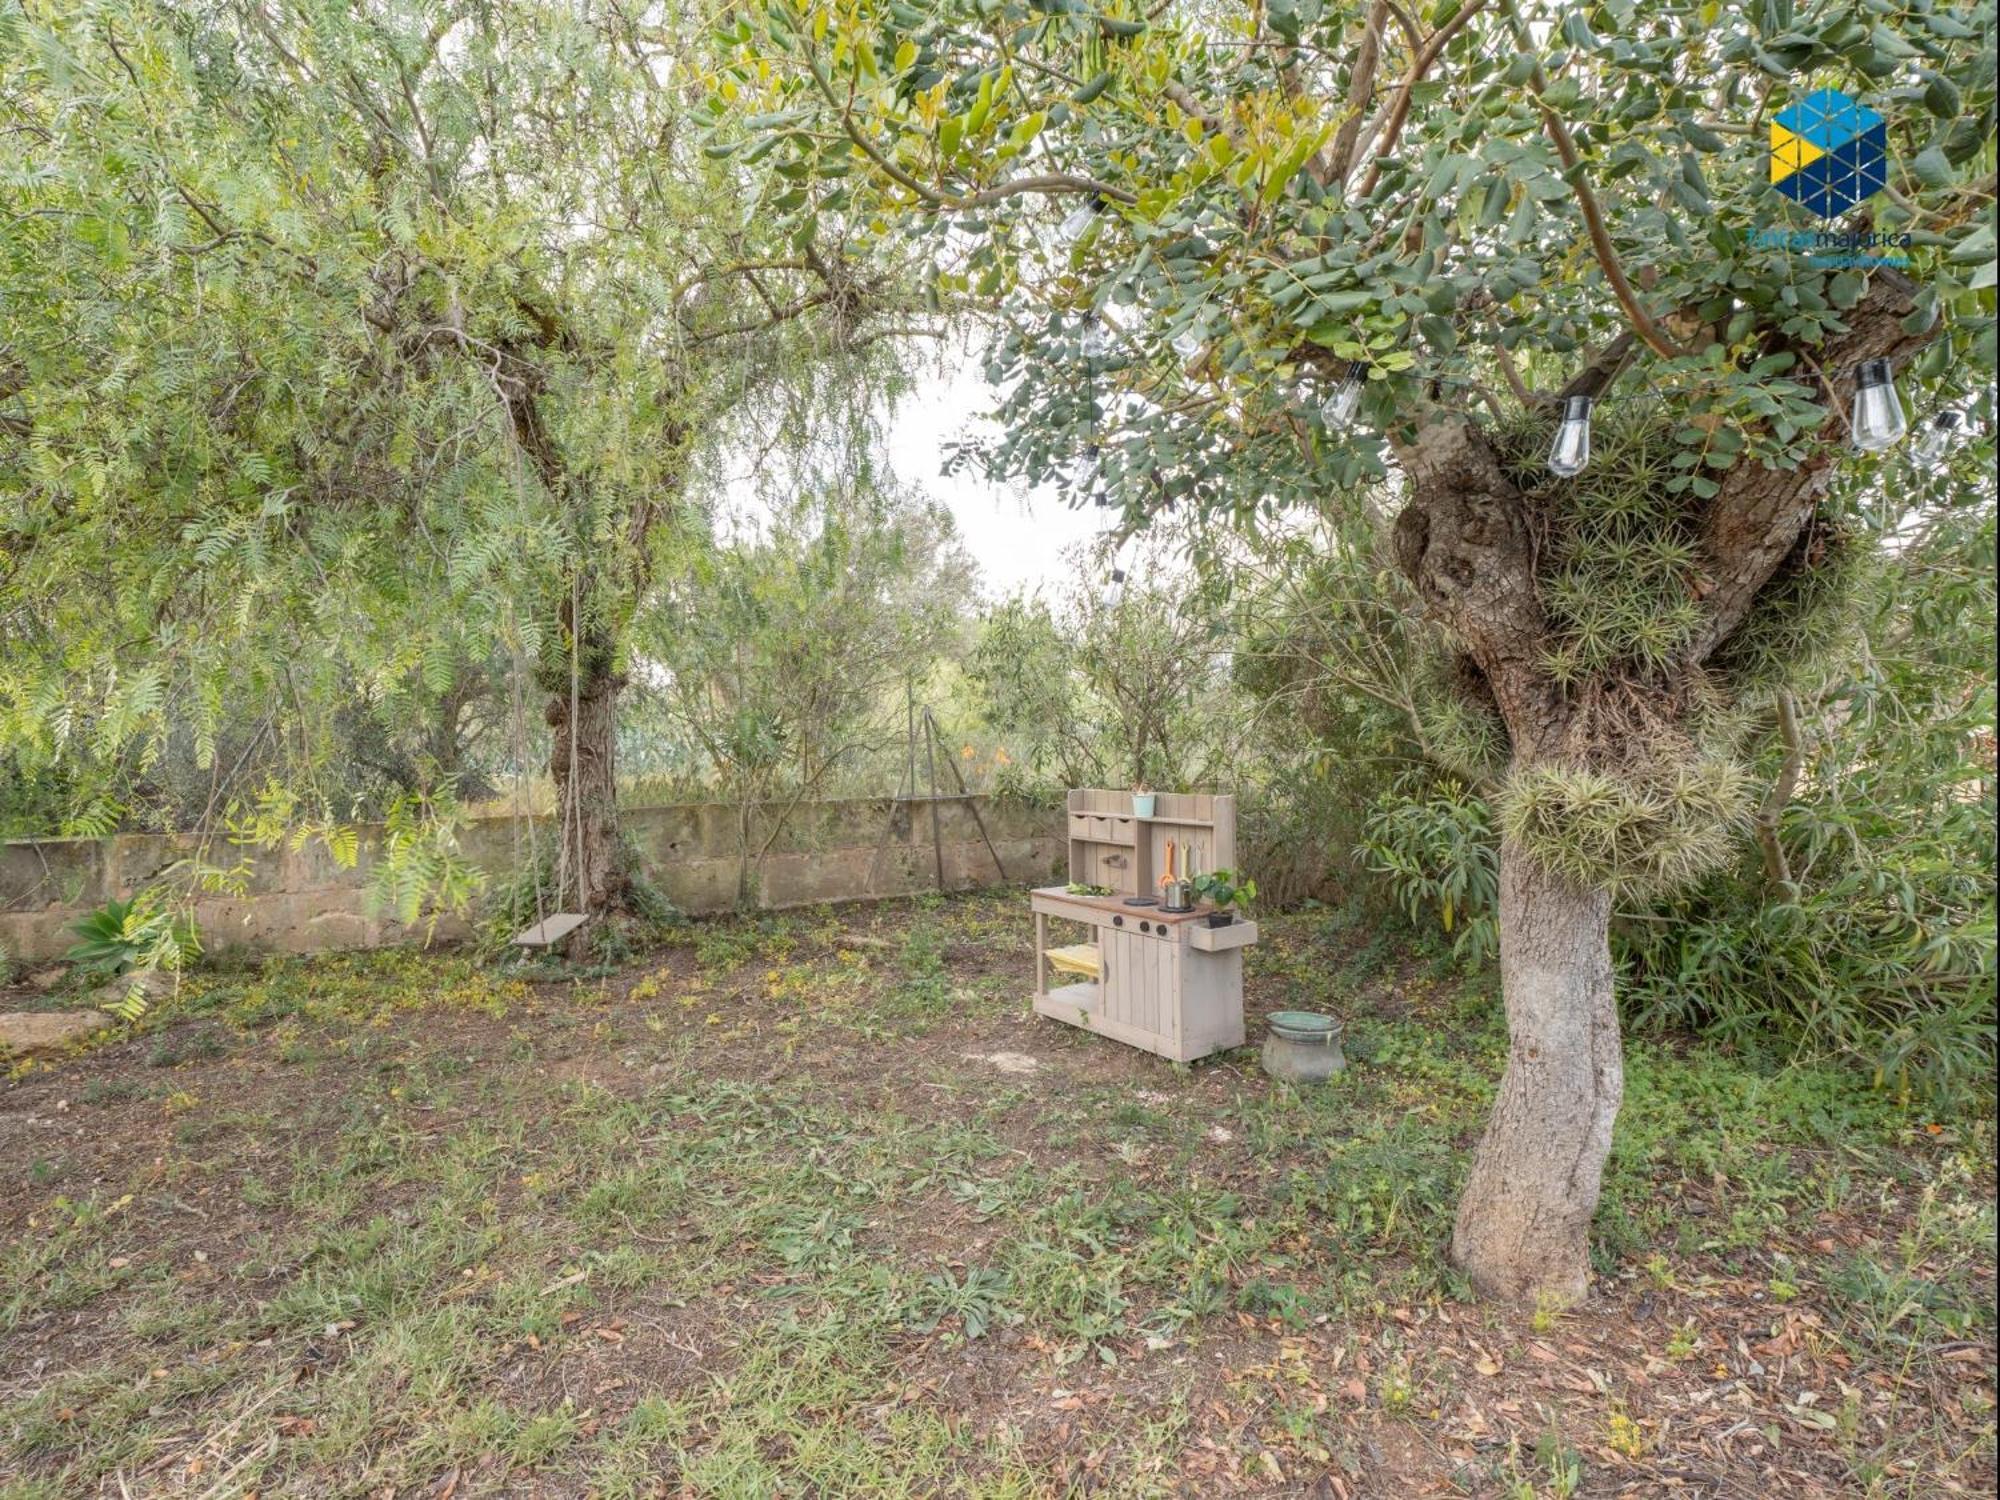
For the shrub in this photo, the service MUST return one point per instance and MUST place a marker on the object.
(1434, 842)
(132, 937)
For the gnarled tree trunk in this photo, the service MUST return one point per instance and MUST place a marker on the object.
(1470, 545)
(1523, 1228)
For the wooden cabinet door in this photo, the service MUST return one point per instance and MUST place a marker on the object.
(1140, 981)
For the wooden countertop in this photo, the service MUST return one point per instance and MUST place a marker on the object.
(1115, 906)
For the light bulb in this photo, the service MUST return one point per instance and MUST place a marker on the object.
(1570, 452)
(1346, 398)
(1077, 223)
(1878, 418)
(1096, 340)
(1083, 470)
(1937, 438)
(1188, 344)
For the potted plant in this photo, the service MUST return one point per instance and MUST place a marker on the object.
(1230, 891)
(1143, 800)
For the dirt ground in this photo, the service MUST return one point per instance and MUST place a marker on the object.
(815, 1205)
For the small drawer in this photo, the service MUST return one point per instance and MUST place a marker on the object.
(1100, 828)
(1079, 826)
(1122, 831)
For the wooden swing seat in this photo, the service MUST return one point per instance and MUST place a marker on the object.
(550, 930)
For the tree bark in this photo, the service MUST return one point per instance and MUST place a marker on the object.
(1523, 1229)
(590, 856)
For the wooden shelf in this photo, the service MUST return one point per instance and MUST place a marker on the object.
(1082, 995)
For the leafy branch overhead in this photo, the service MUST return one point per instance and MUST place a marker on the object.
(1441, 196)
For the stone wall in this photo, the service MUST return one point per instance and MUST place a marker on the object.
(302, 903)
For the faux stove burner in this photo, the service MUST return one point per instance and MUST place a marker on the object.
(1142, 900)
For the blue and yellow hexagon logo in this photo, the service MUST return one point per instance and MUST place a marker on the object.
(1829, 152)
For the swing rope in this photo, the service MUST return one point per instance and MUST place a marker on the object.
(549, 928)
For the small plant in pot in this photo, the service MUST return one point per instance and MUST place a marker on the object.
(1143, 800)
(1231, 893)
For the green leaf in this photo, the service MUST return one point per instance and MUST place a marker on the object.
(1089, 93)
(1700, 136)
(1942, 98)
(1932, 168)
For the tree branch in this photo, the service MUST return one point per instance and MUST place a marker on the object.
(1777, 868)
(1046, 183)
(1759, 514)
(1399, 108)
(1593, 217)
(1360, 84)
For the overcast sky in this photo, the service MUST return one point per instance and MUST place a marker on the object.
(1018, 537)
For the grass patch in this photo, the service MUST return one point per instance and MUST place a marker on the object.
(757, 1214)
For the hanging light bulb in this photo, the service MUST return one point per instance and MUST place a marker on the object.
(1937, 438)
(1346, 398)
(1077, 222)
(1096, 340)
(1570, 452)
(1878, 418)
(1083, 471)
(1188, 344)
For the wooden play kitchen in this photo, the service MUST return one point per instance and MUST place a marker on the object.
(1151, 975)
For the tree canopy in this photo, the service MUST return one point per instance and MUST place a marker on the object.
(397, 329)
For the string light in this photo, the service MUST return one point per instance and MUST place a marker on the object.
(1076, 224)
(1570, 452)
(1878, 418)
(1346, 398)
(1937, 438)
(1083, 472)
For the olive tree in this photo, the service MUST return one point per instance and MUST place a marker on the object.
(1362, 257)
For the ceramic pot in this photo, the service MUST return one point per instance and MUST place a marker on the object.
(1301, 1047)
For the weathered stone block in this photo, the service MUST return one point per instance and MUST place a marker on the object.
(43, 1033)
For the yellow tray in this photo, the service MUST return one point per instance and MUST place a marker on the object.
(1078, 958)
